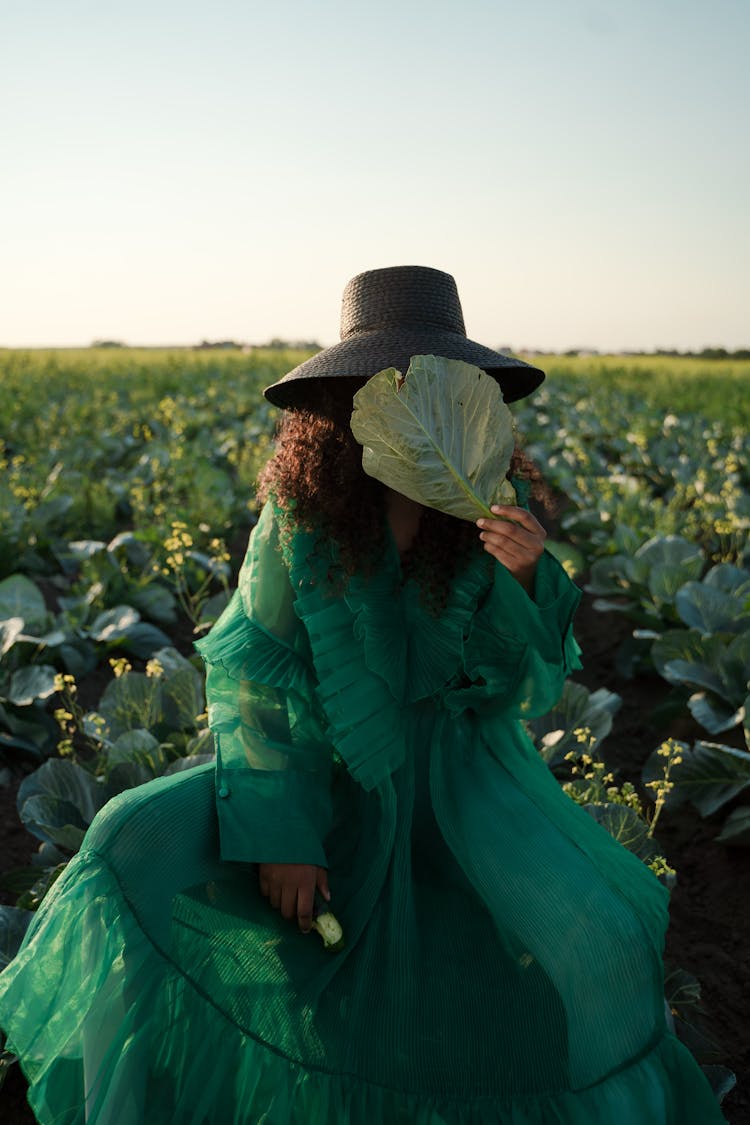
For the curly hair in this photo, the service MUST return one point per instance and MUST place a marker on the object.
(316, 471)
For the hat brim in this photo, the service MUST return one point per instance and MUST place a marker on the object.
(365, 354)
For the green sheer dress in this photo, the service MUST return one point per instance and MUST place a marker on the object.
(503, 959)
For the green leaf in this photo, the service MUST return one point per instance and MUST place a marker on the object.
(50, 512)
(132, 702)
(576, 708)
(142, 640)
(693, 673)
(734, 668)
(669, 551)
(32, 726)
(13, 926)
(10, 630)
(137, 746)
(709, 775)
(82, 549)
(47, 640)
(629, 829)
(721, 1079)
(736, 830)
(12, 742)
(688, 645)
(730, 579)
(569, 557)
(183, 689)
(122, 627)
(664, 582)
(35, 681)
(713, 714)
(130, 547)
(78, 656)
(608, 577)
(58, 801)
(32, 898)
(212, 609)
(156, 602)
(606, 605)
(180, 764)
(682, 991)
(113, 623)
(19, 597)
(443, 436)
(710, 610)
(18, 880)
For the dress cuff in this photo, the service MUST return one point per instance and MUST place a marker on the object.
(273, 816)
(543, 620)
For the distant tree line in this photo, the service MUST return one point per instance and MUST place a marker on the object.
(709, 353)
(704, 353)
(277, 344)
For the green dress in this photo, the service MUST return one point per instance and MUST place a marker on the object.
(503, 959)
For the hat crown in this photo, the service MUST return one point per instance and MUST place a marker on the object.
(409, 296)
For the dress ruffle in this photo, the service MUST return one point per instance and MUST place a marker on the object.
(492, 649)
(416, 652)
(247, 651)
(364, 714)
(100, 1055)
(273, 796)
(518, 651)
(397, 652)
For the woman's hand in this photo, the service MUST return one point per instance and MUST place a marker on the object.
(290, 888)
(518, 545)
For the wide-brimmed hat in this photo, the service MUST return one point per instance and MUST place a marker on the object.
(390, 315)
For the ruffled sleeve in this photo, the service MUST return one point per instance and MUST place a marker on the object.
(273, 759)
(520, 649)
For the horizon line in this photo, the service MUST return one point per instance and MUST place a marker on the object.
(309, 345)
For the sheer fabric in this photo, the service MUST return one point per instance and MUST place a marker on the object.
(504, 953)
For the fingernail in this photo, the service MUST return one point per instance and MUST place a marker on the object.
(480, 523)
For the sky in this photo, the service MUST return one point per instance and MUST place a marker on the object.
(172, 171)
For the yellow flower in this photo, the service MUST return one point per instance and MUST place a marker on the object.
(120, 666)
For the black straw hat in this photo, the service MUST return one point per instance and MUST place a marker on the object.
(389, 315)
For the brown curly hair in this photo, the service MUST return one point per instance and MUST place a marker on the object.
(317, 471)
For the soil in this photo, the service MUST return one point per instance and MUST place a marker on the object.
(709, 931)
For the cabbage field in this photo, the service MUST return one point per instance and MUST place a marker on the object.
(126, 500)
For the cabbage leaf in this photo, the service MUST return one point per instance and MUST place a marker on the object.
(442, 435)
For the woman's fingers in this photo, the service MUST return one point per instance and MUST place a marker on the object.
(519, 516)
(507, 549)
(290, 888)
(512, 534)
(322, 883)
(289, 900)
(518, 522)
(305, 899)
(516, 541)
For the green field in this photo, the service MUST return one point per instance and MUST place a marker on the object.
(95, 440)
(126, 499)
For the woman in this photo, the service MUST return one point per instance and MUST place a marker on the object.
(365, 686)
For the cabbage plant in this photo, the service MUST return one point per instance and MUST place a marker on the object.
(441, 435)
(709, 775)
